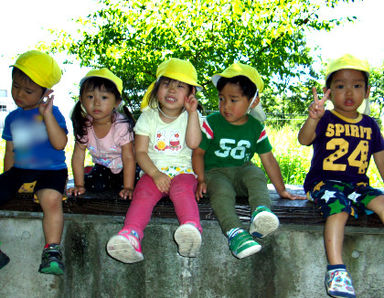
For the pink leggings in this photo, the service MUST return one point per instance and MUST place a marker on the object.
(146, 195)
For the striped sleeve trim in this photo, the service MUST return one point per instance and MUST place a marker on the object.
(207, 130)
(263, 135)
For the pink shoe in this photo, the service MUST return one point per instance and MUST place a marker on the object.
(125, 247)
(188, 238)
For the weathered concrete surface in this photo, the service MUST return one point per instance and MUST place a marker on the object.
(291, 264)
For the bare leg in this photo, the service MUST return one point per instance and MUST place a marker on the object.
(53, 220)
(334, 237)
(377, 206)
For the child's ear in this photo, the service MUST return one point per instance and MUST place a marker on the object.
(256, 102)
(118, 102)
(368, 92)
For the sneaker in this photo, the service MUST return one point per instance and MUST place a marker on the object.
(51, 260)
(263, 222)
(188, 238)
(242, 244)
(125, 247)
(339, 284)
(4, 259)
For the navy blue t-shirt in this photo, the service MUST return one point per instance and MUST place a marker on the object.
(343, 148)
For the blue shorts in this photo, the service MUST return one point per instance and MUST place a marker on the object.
(332, 197)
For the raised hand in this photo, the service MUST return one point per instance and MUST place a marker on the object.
(46, 102)
(190, 102)
(316, 109)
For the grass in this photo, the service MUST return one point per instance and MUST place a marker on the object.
(293, 158)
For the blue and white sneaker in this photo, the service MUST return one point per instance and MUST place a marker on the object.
(339, 284)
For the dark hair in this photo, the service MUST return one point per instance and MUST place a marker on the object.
(79, 117)
(152, 101)
(247, 86)
(330, 78)
(19, 73)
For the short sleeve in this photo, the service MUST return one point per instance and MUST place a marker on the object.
(123, 134)
(142, 126)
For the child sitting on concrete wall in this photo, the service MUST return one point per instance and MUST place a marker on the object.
(223, 161)
(343, 142)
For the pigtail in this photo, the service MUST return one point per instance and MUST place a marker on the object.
(130, 118)
(79, 123)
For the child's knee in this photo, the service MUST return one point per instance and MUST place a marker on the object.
(50, 199)
(377, 206)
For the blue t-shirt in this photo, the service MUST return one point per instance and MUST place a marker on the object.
(31, 146)
(343, 148)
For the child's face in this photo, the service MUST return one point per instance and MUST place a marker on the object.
(233, 104)
(99, 104)
(171, 96)
(26, 93)
(348, 91)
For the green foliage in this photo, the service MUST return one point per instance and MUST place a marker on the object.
(133, 37)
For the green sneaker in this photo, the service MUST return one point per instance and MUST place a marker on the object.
(242, 244)
(263, 222)
(51, 260)
(4, 259)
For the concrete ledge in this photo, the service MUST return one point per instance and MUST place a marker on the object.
(291, 264)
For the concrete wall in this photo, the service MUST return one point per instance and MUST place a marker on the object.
(291, 264)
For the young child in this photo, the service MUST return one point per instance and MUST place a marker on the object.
(343, 141)
(36, 135)
(223, 160)
(166, 132)
(107, 135)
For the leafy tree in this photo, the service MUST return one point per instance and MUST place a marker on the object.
(133, 37)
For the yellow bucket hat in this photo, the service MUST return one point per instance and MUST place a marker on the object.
(104, 73)
(175, 69)
(239, 69)
(349, 61)
(39, 67)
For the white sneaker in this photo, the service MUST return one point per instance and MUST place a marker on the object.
(188, 238)
(263, 222)
(125, 247)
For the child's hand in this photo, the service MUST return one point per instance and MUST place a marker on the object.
(201, 189)
(125, 193)
(76, 191)
(190, 102)
(286, 195)
(316, 109)
(162, 181)
(46, 103)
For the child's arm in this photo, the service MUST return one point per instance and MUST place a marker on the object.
(129, 168)
(78, 158)
(316, 110)
(273, 170)
(193, 134)
(379, 161)
(8, 157)
(56, 134)
(161, 180)
(198, 168)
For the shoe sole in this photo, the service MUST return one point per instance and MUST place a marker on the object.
(54, 268)
(248, 252)
(121, 249)
(188, 239)
(264, 224)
